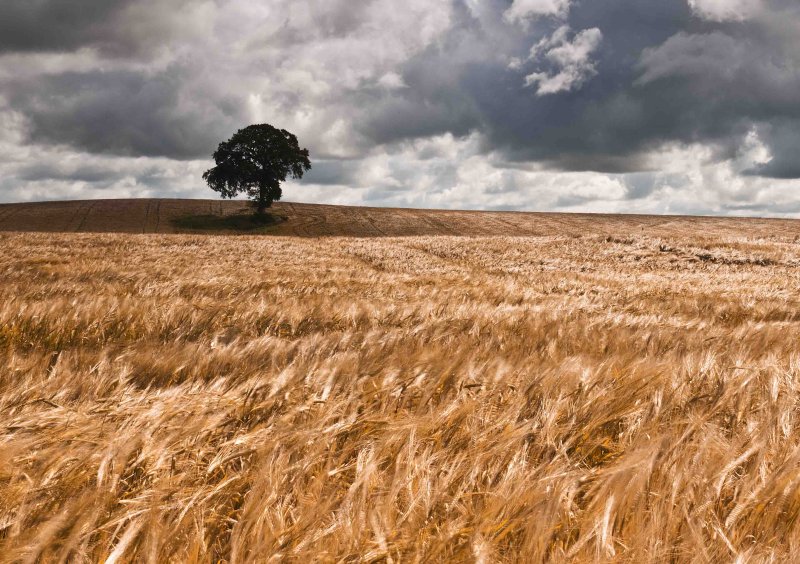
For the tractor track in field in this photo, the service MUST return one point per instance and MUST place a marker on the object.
(320, 220)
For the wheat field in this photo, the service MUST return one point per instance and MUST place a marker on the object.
(583, 397)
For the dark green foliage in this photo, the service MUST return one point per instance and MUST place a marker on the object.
(254, 162)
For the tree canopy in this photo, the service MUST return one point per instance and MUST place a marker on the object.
(254, 162)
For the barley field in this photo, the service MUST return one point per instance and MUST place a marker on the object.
(603, 389)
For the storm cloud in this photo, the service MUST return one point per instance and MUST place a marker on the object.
(607, 105)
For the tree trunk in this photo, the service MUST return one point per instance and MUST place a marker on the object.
(263, 200)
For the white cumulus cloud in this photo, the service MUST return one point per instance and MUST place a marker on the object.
(522, 10)
(571, 57)
(726, 10)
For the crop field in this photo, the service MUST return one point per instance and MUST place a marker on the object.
(594, 389)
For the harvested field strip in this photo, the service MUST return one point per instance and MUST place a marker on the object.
(318, 220)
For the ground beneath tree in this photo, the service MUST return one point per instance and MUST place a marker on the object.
(315, 220)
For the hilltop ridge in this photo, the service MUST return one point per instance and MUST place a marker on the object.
(317, 220)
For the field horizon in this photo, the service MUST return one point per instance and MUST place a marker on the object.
(165, 215)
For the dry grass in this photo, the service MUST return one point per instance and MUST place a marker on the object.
(187, 398)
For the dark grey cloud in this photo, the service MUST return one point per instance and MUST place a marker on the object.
(329, 172)
(783, 138)
(600, 126)
(640, 185)
(130, 113)
(56, 25)
(90, 173)
(663, 74)
(117, 28)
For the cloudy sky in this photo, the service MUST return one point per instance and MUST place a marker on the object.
(664, 106)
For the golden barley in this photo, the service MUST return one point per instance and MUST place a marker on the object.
(594, 397)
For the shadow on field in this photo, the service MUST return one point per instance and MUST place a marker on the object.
(246, 223)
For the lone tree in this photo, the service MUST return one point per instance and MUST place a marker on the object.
(254, 162)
